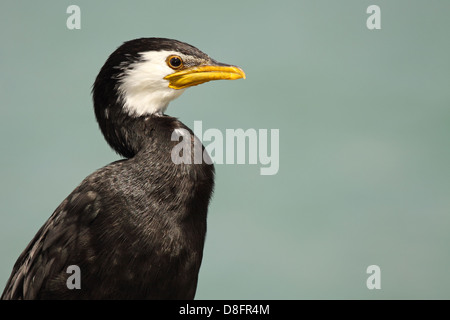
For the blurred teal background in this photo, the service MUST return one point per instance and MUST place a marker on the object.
(364, 120)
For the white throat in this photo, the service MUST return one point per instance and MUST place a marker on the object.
(143, 87)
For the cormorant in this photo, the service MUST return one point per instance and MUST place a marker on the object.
(136, 227)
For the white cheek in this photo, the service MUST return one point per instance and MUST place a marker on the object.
(143, 87)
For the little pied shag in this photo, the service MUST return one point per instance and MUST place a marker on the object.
(135, 228)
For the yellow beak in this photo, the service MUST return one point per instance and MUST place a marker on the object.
(197, 75)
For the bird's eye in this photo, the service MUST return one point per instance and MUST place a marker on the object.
(174, 62)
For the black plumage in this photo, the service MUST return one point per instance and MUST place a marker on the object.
(136, 227)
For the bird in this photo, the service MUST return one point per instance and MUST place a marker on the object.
(136, 227)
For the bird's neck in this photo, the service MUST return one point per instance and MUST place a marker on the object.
(153, 139)
(152, 135)
(129, 136)
(150, 141)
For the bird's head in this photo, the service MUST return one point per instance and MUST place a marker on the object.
(145, 74)
(142, 76)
